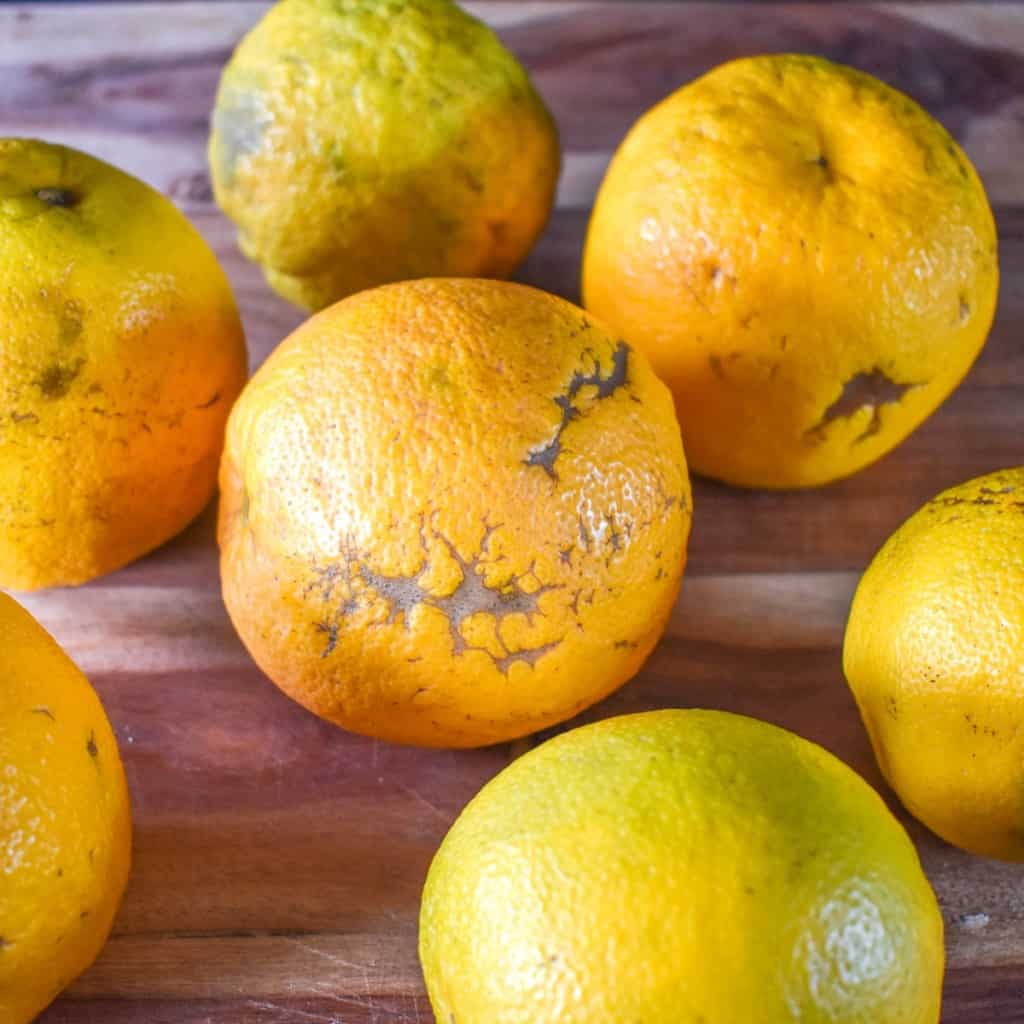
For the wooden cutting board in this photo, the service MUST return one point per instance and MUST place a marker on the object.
(278, 861)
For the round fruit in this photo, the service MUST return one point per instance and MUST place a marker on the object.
(453, 512)
(680, 866)
(357, 142)
(65, 822)
(934, 654)
(807, 258)
(121, 354)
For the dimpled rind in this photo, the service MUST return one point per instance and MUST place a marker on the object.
(65, 820)
(807, 258)
(934, 654)
(121, 354)
(357, 142)
(453, 512)
(675, 867)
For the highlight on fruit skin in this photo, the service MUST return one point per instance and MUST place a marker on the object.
(934, 655)
(679, 866)
(65, 819)
(356, 143)
(806, 256)
(453, 512)
(121, 353)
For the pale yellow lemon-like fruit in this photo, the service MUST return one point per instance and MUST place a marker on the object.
(357, 142)
(65, 824)
(120, 357)
(452, 512)
(807, 258)
(680, 866)
(934, 654)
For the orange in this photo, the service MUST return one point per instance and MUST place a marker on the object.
(807, 258)
(356, 142)
(934, 654)
(65, 821)
(453, 512)
(676, 867)
(121, 354)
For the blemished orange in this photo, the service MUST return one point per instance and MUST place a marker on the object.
(65, 819)
(121, 354)
(807, 258)
(934, 654)
(453, 512)
(357, 142)
(674, 867)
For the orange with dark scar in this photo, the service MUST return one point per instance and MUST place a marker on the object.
(121, 353)
(453, 512)
(807, 258)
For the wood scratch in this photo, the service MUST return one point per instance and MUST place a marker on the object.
(421, 799)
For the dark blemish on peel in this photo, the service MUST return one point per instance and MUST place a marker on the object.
(56, 380)
(862, 391)
(547, 454)
(213, 400)
(91, 747)
(403, 594)
(62, 197)
(44, 711)
(331, 629)
(24, 417)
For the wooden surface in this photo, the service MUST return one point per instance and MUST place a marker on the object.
(278, 861)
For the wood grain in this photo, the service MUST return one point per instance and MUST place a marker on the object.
(278, 860)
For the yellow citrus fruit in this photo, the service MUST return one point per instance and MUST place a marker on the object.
(65, 822)
(121, 354)
(807, 258)
(934, 654)
(357, 142)
(452, 512)
(680, 866)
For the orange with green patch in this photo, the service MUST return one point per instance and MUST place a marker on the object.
(121, 354)
(453, 512)
(807, 258)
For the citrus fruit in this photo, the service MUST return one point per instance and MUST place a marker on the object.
(452, 512)
(65, 827)
(680, 866)
(121, 354)
(807, 258)
(356, 142)
(934, 654)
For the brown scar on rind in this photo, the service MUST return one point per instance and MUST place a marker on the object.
(546, 455)
(56, 380)
(402, 594)
(529, 656)
(44, 711)
(91, 747)
(57, 196)
(870, 390)
(211, 401)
